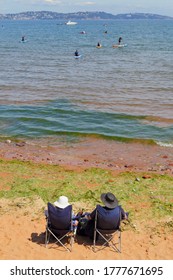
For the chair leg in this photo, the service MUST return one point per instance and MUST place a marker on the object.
(59, 240)
(71, 242)
(46, 237)
(115, 246)
(119, 241)
(94, 240)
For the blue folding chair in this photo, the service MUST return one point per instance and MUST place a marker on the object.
(60, 225)
(107, 226)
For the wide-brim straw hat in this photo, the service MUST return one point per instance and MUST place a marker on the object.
(109, 200)
(62, 202)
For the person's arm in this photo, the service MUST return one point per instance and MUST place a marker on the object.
(46, 213)
(90, 216)
(124, 215)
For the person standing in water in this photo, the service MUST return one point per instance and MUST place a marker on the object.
(120, 40)
(76, 53)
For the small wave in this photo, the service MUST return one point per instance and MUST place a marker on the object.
(163, 144)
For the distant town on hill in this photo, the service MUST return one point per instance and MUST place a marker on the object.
(45, 15)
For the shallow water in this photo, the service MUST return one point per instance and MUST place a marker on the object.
(122, 93)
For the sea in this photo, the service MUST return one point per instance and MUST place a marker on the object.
(121, 94)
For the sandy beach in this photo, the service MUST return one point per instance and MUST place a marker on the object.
(23, 225)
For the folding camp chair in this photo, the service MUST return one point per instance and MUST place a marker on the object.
(107, 226)
(60, 225)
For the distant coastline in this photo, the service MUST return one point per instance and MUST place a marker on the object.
(45, 15)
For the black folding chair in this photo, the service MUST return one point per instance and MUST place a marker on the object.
(60, 225)
(107, 227)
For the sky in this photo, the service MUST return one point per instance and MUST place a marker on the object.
(162, 7)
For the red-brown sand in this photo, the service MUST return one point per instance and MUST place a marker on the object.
(94, 153)
(22, 229)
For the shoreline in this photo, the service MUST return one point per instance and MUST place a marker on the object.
(93, 152)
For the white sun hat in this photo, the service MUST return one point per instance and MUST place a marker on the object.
(62, 202)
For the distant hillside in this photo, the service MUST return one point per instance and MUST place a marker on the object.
(141, 16)
(43, 15)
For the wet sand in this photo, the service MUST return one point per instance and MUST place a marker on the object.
(99, 153)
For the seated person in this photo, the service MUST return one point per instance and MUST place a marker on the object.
(62, 202)
(111, 211)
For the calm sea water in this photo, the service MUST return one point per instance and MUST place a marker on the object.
(122, 93)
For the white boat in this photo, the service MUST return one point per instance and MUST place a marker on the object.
(71, 22)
